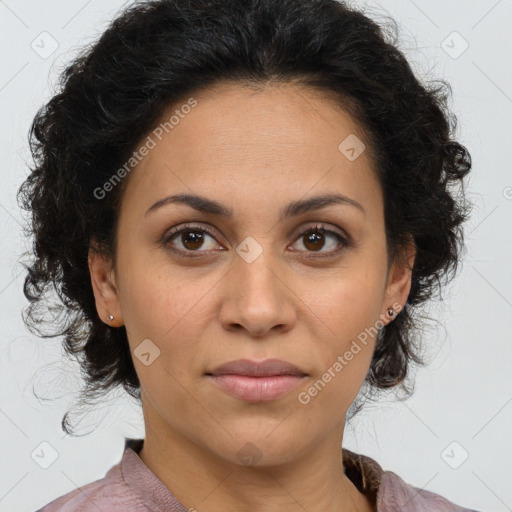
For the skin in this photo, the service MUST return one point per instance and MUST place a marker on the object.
(254, 152)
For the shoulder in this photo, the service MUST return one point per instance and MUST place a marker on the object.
(395, 493)
(390, 492)
(129, 486)
(108, 493)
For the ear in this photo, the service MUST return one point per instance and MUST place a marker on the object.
(104, 287)
(399, 280)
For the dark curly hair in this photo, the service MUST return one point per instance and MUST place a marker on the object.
(158, 52)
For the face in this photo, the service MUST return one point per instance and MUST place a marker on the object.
(252, 278)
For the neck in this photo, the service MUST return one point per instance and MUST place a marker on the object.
(202, 480)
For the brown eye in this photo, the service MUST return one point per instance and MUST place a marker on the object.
(197, 241)
(191, 240)
(187, 240)
(314, 241)
(315, 238)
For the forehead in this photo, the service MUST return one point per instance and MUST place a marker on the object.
(280, 137)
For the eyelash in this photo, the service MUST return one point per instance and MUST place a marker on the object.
(318, 228)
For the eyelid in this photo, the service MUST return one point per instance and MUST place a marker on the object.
(320, 226)
(170, 233)
(342, 237)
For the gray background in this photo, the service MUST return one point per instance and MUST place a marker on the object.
(462, 404)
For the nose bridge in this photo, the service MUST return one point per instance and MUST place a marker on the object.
(254, 266)
(256, 298)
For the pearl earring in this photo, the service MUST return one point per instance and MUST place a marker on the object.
(111, 317)
(391, 312)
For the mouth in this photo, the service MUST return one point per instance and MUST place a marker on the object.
(266, 368)
(257, 381)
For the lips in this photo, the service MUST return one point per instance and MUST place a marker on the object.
(267, 368)
(257, 382)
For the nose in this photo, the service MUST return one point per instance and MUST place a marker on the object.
(257, 297)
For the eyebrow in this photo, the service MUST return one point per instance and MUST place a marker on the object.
(205, 205)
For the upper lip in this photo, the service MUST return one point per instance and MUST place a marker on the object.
(265, 368)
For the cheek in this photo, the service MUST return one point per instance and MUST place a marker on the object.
(348, 305)
(157, 297)
(345, 360)
(172, 308)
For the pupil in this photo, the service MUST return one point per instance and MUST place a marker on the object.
(192, 237)
(314, 238)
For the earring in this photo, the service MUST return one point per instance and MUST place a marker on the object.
(111, 317)
(391, 312)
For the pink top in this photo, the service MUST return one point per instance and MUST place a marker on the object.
(130, 486)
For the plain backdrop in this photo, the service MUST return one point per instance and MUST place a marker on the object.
(450, 437)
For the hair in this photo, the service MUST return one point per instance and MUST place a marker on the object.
(155, 54)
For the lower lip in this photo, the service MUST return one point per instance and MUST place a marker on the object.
(257, 389)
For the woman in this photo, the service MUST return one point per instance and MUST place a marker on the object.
(242, 204)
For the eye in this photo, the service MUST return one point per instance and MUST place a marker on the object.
(191, 238)
(313, 238)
